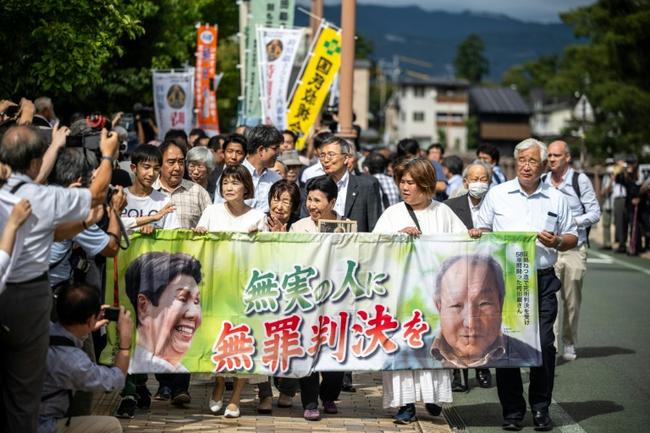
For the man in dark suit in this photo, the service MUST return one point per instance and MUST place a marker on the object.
(476, 180)
(358, 198)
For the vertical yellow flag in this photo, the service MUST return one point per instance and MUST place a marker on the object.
(314, 84)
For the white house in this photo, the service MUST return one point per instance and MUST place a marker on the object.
(430, 111)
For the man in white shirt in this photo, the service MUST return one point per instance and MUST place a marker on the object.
(263, 144)
(528, 204)
(26, 303)
(571, 265)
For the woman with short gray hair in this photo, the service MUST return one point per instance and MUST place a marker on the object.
(200, 164)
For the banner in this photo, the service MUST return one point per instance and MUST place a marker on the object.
(206, 79)
(173, 100)
(267, 13)
(291, 303)
(277, 49)
(312, 87)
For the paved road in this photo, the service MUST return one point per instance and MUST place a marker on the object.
(607, 389)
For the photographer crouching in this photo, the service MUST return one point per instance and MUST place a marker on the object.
(69, 369)
(26, 303)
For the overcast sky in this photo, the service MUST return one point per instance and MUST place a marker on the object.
(527, 10)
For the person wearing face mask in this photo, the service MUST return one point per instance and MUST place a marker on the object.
(476, 181)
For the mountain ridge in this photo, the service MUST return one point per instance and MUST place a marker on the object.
(433, 36)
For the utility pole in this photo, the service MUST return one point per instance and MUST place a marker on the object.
(348, 23)
(315, 17)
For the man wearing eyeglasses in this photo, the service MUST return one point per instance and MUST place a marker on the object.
(528, 204)
(358, 198)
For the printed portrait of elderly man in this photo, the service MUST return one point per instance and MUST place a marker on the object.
(469, 296)
(164, 290)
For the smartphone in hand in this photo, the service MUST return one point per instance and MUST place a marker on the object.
(112, 314)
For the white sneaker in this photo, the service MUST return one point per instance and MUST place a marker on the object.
(569, 353)
(232, 411)
(215, 406)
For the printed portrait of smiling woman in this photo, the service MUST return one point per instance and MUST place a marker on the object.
(164, 291)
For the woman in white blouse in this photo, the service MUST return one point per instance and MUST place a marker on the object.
(417, 214)
(233, 215)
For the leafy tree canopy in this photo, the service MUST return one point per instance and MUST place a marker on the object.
(98, 55)
(611, 68)
(470, 62)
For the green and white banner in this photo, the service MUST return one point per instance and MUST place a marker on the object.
(288, 304)
(262, 13)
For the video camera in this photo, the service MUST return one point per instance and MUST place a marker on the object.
(90, 137)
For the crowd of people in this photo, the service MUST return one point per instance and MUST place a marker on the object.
(625, 200)
(67, 207)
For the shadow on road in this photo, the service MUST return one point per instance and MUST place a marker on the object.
(601, 352)
(581, 410)
(596, 352)
(489, 414)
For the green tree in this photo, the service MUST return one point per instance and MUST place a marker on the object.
(61, 46)
(363, 48)
(99, 55)
(611, 69)
(169, 41)
(530, 75)
(470, 62)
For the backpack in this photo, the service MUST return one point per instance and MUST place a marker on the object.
(576, 187)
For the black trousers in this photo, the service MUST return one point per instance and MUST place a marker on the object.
(177, 382)
(328, 389)
(24, 339)
(540, 390)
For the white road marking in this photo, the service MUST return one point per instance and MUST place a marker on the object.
(601, 256)
(563, 421)
(607, 261)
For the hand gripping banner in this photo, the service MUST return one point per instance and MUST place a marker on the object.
(287, 304)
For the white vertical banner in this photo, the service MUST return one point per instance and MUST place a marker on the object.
(277, 49)
(173, 97)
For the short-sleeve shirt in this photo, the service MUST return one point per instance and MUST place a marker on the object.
(137, 207)
(93, 240)
(217, 218)
(51, 206)
(591, 213)
(7, 261)
(506, 207)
